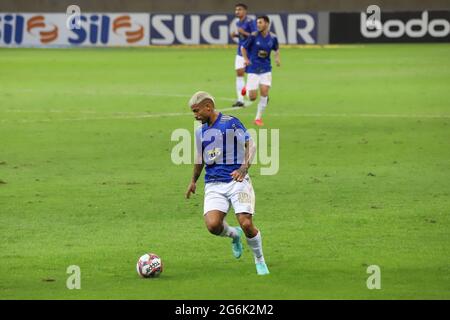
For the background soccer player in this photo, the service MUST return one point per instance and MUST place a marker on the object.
(256, 53)
(226, 179)
(245, 26)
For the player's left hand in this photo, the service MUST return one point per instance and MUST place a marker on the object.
(191, 189)
(239, 174)
(278, 62)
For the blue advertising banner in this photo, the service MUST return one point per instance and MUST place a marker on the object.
(166, 29)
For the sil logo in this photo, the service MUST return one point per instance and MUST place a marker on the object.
(37, 27)
(123, 26)
(97, 28)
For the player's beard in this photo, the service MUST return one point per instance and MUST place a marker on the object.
(202, 120)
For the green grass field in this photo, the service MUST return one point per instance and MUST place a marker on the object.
(86, 176)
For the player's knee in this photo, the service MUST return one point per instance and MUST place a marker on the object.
(247, 227)
(252, 97)
(214, 228)
(240, 72)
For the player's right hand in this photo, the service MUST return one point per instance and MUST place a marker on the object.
(247, 62)
(191, 189)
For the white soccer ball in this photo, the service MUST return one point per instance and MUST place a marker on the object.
(149, 266)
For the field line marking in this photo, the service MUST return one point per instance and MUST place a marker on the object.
(117, 92)
(119, 117)
(178, 114)
(143, 115)
(363, 115)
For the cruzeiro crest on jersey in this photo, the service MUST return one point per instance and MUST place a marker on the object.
(222, 147)
(263, 54)
(214, 154)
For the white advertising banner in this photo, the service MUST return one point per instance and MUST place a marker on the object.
(55, 29)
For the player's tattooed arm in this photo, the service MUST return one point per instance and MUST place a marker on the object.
(198, 167)
(197, 171)
(250, 150)
(250, 147)
(245, 56)
(277, 58)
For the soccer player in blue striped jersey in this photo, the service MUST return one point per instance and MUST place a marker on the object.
(256, 52)
(245, 26)
(225, 149)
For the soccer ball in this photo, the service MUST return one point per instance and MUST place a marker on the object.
(149, 266)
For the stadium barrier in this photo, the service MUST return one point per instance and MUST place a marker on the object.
(137, 29)
(143, 29)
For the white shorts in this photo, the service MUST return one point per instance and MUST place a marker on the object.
(219, 196)
(239, 62)
(254, 80)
